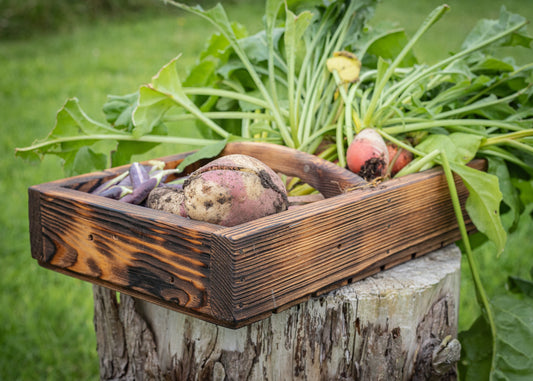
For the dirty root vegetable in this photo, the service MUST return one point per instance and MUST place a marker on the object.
(228, 191)
(398, 158)
(167, 198)
(368, 155)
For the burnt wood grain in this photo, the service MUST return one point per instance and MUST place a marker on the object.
(274, 260)
(234, 276)
(127, 245)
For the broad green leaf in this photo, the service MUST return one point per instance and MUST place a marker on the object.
(498, 167)
(381, 41)
(526, 189)
(302, 5)
(512, 345)
(256, 46)
(463, 87)
(493, 64)
(272, 8)
(167, 79)
(84, 160)
(483, 203)
(216, 47)
(118, 110)
(486, 29)
(150, 110)
(122, 155)
(514, 339)
(72, 131)
(457, 71)
(72, 120)
(206, 152)
(459, 147)
(295, 28)
(476, 352)
(466, 146)
(520, 243)
(164, 92)
(520, 285)
(216, 53)
(218, 17)
(202, 74)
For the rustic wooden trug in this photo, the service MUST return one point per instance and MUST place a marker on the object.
(233, 276)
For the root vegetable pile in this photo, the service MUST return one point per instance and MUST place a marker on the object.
(227, 191)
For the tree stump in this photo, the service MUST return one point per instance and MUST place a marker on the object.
(399, 324)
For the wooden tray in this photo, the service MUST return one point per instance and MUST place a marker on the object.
(233, 276)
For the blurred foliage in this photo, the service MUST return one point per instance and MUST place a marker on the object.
(26, 18)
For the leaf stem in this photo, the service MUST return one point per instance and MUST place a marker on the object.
(226, 94)
(380, 85)
(505, 138)
(220, 115)
(221, 22)
(409, 127)
(117, 137)
(480, 291)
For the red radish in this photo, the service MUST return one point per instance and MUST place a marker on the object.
(399, 158)
(367, 155)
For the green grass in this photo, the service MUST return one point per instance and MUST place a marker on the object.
(449, 32)
(46, 331)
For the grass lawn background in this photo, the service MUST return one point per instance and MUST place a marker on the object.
(47, 331)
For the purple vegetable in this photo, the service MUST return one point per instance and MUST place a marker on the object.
(138, 175)
(134, 185)
(159, 174)
(108, 184)
(140, 193)
(115, 192)
(126, 182)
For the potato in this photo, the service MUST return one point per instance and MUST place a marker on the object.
(168, 199)
(232, 190)
(228, 191)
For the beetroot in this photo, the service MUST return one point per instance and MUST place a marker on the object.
(228, 191)
(399, 158)
(368, 155)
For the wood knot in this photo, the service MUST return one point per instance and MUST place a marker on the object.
(446, 355)
(437, 358)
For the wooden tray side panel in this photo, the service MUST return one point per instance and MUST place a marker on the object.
(132, 247)
(275, 261)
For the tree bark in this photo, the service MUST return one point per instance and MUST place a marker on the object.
(400, 324)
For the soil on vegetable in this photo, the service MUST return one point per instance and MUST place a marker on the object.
(267, 182)
(373, 168)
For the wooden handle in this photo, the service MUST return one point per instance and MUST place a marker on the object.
(325, 176)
